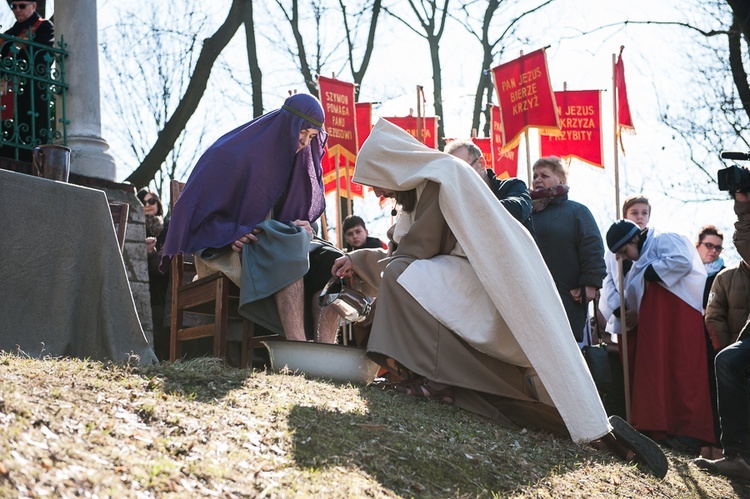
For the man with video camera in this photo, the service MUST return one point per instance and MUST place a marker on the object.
(733, 362)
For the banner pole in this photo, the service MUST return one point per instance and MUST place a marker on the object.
(323, 226)
(348, 178)
(338, 202)
(419, 116)
(621, 277)
(528, 158)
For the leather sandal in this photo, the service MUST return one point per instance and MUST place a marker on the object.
(424, 389)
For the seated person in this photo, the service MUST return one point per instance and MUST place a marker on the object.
(357, 236)
(733, 366)
(467, 310)
(256, 191)
(511, 192)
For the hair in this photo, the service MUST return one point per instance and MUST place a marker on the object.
(353, 221)
(709, 230)
(407, 200)
(637, 199)
(555, 164)
(142, 197)
(474, 151)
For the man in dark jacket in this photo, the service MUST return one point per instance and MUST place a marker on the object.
(511, 192)
(732, 368)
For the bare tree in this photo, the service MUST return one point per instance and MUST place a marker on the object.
(374, 9)
(432, 20)
(256, 75)
(493, 45)
(324, 51)
(161, 73)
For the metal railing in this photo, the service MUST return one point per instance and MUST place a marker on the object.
(32, 96)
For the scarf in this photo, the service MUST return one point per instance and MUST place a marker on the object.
(713, 268)
(540, 198)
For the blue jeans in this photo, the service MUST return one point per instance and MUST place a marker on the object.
(733, 393)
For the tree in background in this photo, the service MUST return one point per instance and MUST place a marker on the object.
(717, 116)
(494, 27)
(432, 20)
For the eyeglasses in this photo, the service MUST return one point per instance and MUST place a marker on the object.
(151, 201)
(712, 246)
(475, 160)
(19, 6)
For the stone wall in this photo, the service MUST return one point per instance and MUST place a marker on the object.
(134, 256)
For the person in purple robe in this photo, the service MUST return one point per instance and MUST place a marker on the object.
(263, 171)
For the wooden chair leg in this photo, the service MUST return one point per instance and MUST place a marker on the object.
(175, 350)
(247, 333)
(221, 319)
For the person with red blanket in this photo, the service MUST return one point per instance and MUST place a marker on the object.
(670, 397)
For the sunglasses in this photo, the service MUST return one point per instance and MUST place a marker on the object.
(19, 6)
(151, 201)
(712, 246)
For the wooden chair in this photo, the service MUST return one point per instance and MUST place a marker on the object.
(214, 294)
(120, 213)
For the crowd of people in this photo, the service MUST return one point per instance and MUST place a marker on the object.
(484, 289)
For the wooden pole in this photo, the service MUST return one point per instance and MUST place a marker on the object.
(419, 115)
(338, 203)
(621, 277)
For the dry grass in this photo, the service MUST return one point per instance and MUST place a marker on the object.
(75, 428)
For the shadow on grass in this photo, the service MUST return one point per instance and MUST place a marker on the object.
(202, 379)
(689, 476)
(425, 449)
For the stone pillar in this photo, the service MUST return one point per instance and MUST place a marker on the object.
(75, 20)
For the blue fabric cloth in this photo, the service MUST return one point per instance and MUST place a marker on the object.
(279, 258)
(245, 174)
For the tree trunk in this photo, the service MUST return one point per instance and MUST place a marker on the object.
(212, 47)
(256, 75)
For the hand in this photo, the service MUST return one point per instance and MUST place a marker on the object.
(246, 239)
(305, 225)
(578, 296)
(342, 266)
(150, 245)
(631, 317)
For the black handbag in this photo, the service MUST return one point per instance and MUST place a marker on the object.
(597, 360)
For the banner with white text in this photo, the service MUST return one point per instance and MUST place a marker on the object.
(525, 96)
(580, 128)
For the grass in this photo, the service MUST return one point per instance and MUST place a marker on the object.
(200, 429)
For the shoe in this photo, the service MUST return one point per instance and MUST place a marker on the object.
(646, 451)
(735, 466)
(424, 389)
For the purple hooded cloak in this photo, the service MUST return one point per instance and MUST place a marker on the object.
(240, 178)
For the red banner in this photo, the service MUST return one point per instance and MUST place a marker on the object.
(485, 144)
(364, 121)
(580, 125)
(429, 128)
(337, 98)
(504, 160)
(624, 119)
(525, 95)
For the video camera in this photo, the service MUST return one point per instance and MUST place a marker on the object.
(734, 178)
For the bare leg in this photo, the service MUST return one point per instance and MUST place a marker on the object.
(290, 303)
(326, 323)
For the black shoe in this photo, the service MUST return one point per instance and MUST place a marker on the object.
(647, 452)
